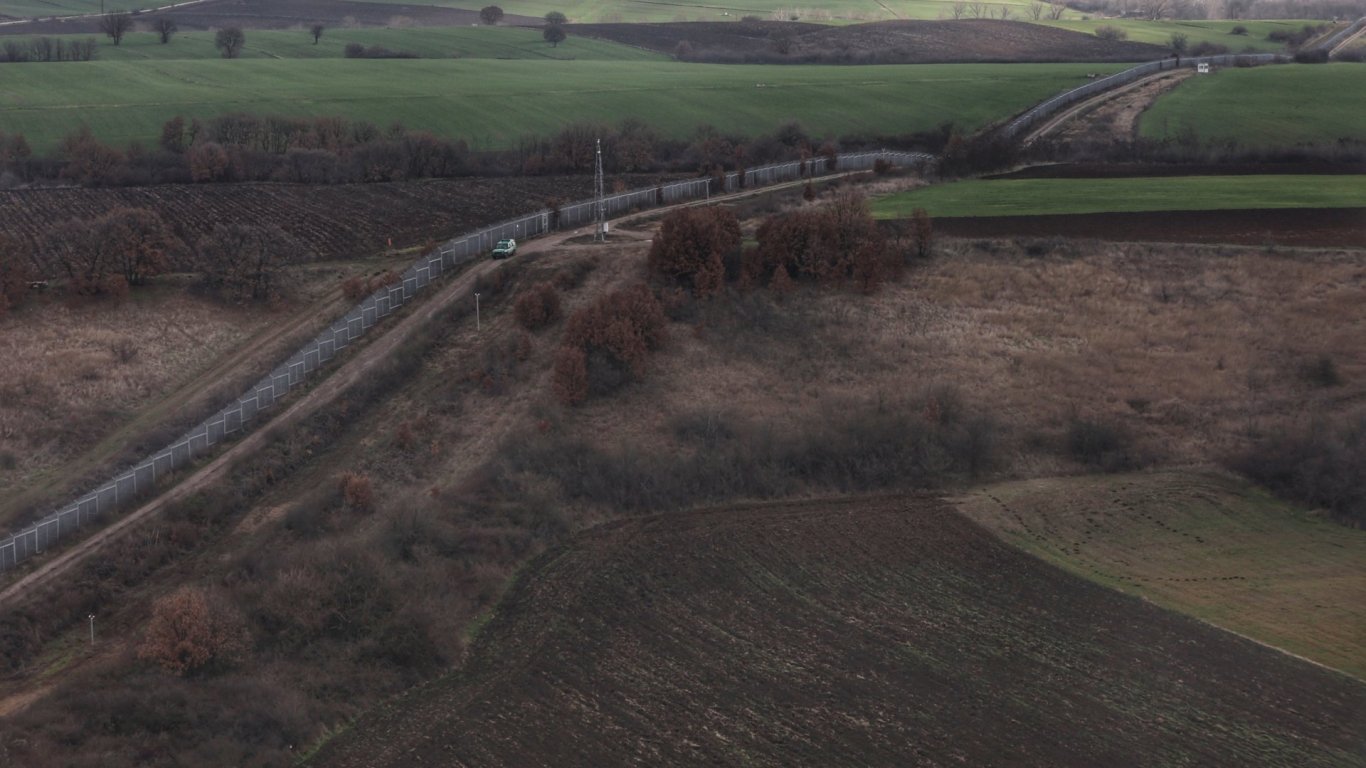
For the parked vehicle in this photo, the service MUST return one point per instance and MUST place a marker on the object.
(505, 249)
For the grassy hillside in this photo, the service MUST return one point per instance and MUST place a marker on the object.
(1203, 544)
(427, 42)
(1027, 197)
(861, 632)
(1196, 32)
(493, 104)
(1264, 106)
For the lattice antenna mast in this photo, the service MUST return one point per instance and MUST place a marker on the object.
(599, 205)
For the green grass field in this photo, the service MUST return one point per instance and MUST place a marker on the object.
(1196, 32)
(73, 7)
(1203, 544)
(1033, 197)
(492, 104)
(427, 42)
(1265, 106)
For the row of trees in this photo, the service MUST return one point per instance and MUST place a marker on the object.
(48, 49)
(242, 147)
(125, 248)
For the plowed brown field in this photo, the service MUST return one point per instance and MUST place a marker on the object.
(883, 42)
(886, 631)
(332, 221)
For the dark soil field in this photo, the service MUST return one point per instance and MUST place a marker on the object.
(280, 14)
(1311, 227)
(883, 42)
(331, 221)
(889, 631)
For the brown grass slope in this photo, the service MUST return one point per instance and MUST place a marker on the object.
(882, 42)
(884, 631)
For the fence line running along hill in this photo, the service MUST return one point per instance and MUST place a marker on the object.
(238, 415)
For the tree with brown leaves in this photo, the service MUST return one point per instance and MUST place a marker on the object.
(189, 632)
(691, 248)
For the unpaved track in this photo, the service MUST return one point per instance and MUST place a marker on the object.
(327, 390)
(1120, 108)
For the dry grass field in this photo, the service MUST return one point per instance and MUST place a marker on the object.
(476, 469)
(1202, 543)
(95, 384)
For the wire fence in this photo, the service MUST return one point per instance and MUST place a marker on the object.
(1337, 38)
(239, 415)
(1047, 109)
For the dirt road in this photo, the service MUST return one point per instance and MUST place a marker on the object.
(327, 390)
(1110, 115)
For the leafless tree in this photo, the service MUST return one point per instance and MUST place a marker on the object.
(1056, 10)
(164, 26)
(1035, 11)
(230, 40)
(977, 10)
(116, 25)
(1156, 9)
(1004, 11)
(317, 31)
(959, 9)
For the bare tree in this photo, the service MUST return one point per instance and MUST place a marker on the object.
(1056, 10)
(1156, 9)
(230, 40)
(243, 263)
(490, 14)
(977, 10)
(959, 9)
(116, 25)
(164, 26)
(317, 31)
(1035, 11)
(1005, 12)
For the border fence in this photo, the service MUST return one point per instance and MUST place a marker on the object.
(1338, 38)
(239, 415)
(1046, 109)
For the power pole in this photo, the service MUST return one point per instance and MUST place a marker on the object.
(600, 206)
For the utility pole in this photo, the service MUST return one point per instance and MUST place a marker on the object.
(599, 207)
(478, 324)
(92, 629)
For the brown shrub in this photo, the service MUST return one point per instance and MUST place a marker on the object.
(571, 375)
(357, 491)
(188, 632)
(691, 246)
(538, 307)
(831, 244)
(14, 274)
(354, 288)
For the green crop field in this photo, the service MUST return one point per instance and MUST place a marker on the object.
(72, 7)
(426, 42)
(819, 11)
(1032, 197)
(1196, 32)
(1265, 106)
(1203, 544)
(492, 104)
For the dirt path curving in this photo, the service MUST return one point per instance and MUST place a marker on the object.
(1111, 115)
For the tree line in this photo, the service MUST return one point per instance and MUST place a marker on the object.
(333, 150)
(108, 256)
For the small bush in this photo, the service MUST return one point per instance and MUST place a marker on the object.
(691, 248)
(538, 307)
(1322, 372)
(1238, 29)
(1319, 463)
(357, 491)
(1102, 446)
(1316, 56)
(606, 343)
(1107, 32)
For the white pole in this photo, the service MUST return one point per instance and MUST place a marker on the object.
(478, 324)
(92, 629)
